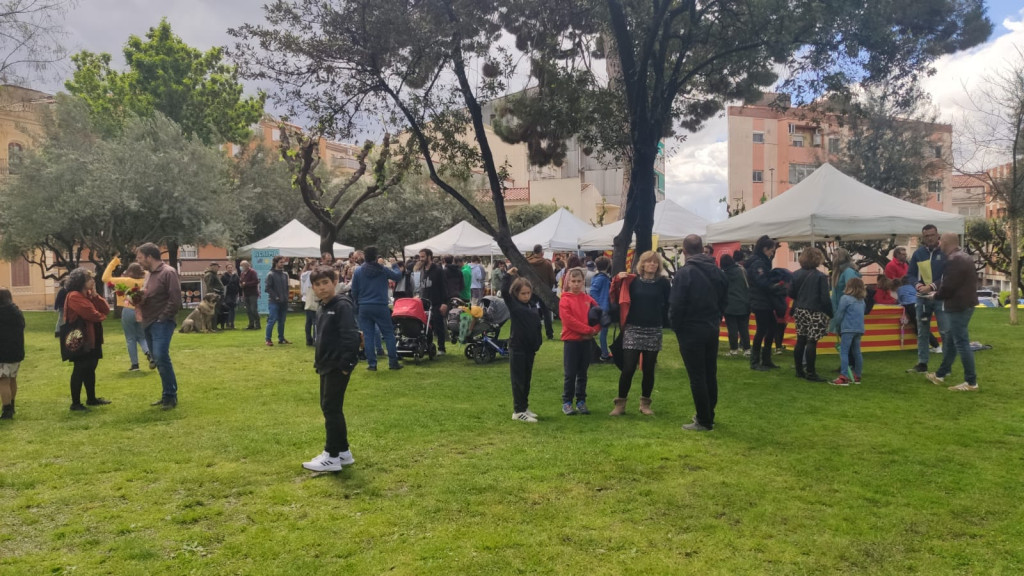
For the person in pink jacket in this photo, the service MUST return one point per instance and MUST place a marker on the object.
(577, 337)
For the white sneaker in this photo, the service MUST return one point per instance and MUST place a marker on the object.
(937, 350)
(346, 458)
(529, 413)
(323, 463)
(963, 387)
(733, 353)
(935, 378)
(747, 352)
(523, 417)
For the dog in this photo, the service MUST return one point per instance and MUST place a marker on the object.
(201, 319)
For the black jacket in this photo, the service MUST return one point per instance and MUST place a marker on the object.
(231, 287)
(12, 334)
(526, 322)
(762, 289)
(337, 337)
(454, 279)
(433, 287)
(699, 295)
(739, 292)
(810, 291)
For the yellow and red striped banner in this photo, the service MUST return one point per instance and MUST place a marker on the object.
(882, 332)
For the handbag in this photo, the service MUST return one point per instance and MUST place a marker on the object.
(615, 348)
(73, 343)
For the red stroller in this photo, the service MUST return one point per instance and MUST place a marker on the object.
(411, 318)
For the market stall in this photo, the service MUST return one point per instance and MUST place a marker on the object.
(459, 240)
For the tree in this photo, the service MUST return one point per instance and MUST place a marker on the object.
(993, 132)
(682, 60)
(323, 198)
(888, 146)
(194, 89)
(79, 195)
(410, 64)
(31, 36)
(264, 189)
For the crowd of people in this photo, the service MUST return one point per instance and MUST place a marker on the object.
(347, 316)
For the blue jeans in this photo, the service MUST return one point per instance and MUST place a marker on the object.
(925, 308)
(134, 335)
(851, 341)
(374, 317)
(956, 340)
(158, 335)
(278, 311)
(602, 337)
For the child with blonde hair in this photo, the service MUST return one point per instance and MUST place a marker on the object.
(577, 336)
(850, 320)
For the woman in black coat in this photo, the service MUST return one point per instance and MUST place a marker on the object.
(762, 294)
(737, 307)
(812, 309)
(12, 351)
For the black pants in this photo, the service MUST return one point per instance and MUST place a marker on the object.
(252, 309)
(805, 355)
(911, 310)
(738, 326)
(332, 403)
(780, 333)
(765, 334)
(699, 348)
(630, 362)
(576, 356)
(520, 367)
(310, 326)
(545, 313)
(84, 374)
(438, 327)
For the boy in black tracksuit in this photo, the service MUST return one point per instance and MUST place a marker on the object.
(337, 353)
(524, 342)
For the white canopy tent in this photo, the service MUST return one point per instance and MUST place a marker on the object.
(830, 204)
(295, 241)
(672, 223)
(459, 240)
(556, 233)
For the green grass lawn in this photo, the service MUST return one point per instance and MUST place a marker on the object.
(893, 476)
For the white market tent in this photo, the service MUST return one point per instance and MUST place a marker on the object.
(459, 240)
(295, 241)
(829, 204)
(672, 223)
(559, 232)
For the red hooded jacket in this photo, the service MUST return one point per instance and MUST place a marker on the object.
(573, 310)
(619, 293)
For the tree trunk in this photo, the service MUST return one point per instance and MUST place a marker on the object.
(1014, 269)
(542, 290)
(172, 254)
(328, 236)
(640, 201)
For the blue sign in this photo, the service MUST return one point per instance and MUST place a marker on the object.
(262, 262)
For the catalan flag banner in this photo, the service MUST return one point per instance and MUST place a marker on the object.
(886, 329)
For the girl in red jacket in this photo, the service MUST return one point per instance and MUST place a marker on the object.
(577, 337)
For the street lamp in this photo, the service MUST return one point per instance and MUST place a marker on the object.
(771, 172)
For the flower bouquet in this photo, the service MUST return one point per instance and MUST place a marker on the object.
(134, 294)
(120, 288)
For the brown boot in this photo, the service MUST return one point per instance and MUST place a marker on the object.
(645, 406)
(620, 407)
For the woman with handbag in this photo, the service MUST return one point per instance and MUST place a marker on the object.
(135, 338)
(812, 308)
(643, 311)
(82, 336)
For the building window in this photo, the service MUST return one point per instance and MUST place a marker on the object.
(758, 137)
(15, 157)
(797, 172)
(20, 272)
(972, 210)
(798, 141)
(935, 187)
(938, 151)
(758, 175)
(792, 128)
(187, 252)
(275, 135)
(833, 145)
(236, 150)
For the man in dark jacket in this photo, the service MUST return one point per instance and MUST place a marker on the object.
(698, 298)
(926, 270)
(453, 276)
(370, 293)
(249, 283)
(434, 288)
(543, 267)
(12, 350)
(337, 353)
(277, 299)
(957, 296)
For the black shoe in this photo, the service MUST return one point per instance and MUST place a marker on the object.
(371, 368)
(97, 402)
(395, 367)
(78, 408)
(309, 343)
(7, 413)
(771, 366)
(159, 402)
(758, 368)
(918, 368)
(134, 368)
(171, 405)
(812, 377)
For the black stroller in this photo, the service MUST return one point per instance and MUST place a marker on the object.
(411, 319)
(480, 335)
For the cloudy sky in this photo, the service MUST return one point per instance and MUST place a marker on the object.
(697, 167)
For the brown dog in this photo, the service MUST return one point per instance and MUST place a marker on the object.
(202, 318)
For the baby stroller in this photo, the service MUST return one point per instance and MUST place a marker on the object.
(481, 334)
(411, 318)
(454, 318)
